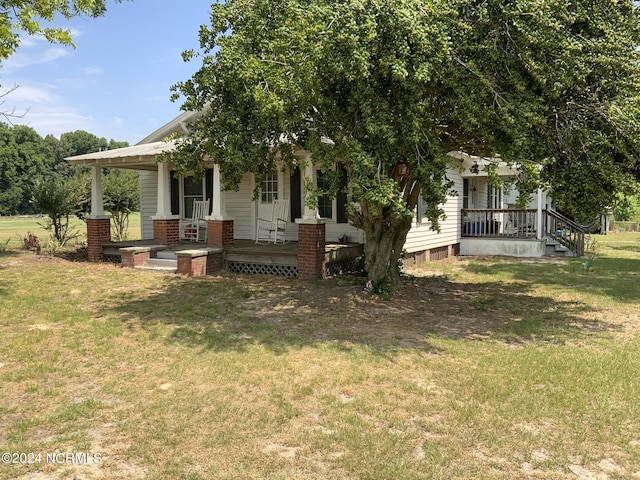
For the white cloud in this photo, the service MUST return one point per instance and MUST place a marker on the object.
(21, 59)
(29, 94)
(46, 111)
(56, 122)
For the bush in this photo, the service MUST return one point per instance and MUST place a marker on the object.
(59, 199)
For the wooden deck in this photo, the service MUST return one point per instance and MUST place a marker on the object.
(247, 251)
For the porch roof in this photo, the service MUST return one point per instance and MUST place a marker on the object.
(502, 167)
(138, 157)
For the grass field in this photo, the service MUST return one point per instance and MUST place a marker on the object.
(14, 229)
(477, 368)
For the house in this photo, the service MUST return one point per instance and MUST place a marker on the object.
(480, 219)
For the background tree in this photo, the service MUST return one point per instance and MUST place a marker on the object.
(21, 160)
(26, 157)
(627, 208)
(550, 85)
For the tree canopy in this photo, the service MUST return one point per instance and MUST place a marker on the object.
(18, 16)
(548, 84)
(26, 157)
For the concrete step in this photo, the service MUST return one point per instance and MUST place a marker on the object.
(161, 262)
(158, 269)
(160, 265)
(167, 254)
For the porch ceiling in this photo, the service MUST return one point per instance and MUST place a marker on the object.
(137, 157)
(503, 168)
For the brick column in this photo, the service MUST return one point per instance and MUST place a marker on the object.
(166, 231)
(220, 233)
(200, 262)
(98, 231)
(311, 239)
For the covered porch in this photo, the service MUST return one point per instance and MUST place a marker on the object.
(519, 232)
(167, 200)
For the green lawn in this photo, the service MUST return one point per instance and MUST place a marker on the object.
(15, 229)
(477, 368)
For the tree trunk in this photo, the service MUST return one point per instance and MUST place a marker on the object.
(383, 249)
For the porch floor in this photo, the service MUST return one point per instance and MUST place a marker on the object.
(248, 247)
(246, 256)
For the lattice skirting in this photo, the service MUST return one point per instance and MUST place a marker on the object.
(261, 269)
(112, 259)
(340, 267)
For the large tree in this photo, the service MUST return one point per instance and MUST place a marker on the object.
(549, 84)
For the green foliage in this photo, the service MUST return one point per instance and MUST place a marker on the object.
(21, 159)
(59, 199)
(4, 246)
(25, 156)
(32, 17)
(121, 198)
(592, 249)
(384, 288)
(626, 207)
(551, 86)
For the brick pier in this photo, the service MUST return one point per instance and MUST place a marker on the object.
(311, 240)
(98, 231)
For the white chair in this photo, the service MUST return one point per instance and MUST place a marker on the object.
(274, 230)
(190, 228)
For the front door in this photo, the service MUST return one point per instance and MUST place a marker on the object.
(269, 192)
(192, 190)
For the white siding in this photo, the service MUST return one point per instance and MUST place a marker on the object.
(422, 237)
(334, 230)
(240, 207)
(148, 201)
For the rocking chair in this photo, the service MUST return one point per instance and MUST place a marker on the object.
(274, 230)
(190, 227)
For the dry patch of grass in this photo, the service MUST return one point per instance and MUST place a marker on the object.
(481, 368)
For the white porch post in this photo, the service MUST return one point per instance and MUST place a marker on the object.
(163, 209)
(307, 212)
(97, 205)
(540, 214)
(218, 207)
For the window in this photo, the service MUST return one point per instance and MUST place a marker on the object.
(494, 197)
(325, 203)
(192, 191)
(465, 193)
(269, 191)
(185, 190)
(421, 210)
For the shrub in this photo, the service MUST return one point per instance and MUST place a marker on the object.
(59, 199)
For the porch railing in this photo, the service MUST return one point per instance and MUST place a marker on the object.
(564, 231)
(499, 223)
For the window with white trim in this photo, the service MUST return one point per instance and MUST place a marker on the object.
(269, 191)
(494, 197)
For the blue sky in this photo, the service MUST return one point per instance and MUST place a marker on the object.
(115, 83)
